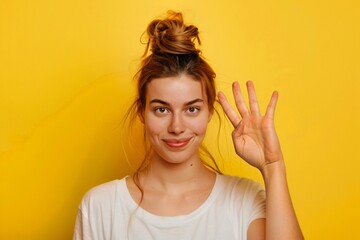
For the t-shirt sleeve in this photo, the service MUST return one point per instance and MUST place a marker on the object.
(95, 213)
(82, 224)
(258, 199)
(248, 204)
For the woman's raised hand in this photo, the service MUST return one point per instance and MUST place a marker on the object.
(254, 135)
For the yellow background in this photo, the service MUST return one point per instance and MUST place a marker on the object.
(65, 82)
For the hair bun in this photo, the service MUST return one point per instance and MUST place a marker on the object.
(171, 35)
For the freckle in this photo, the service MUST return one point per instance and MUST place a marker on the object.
(191, 164)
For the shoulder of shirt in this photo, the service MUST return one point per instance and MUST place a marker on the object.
(239, 184)
(103, 192)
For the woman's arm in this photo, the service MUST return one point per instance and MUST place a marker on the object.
(256, 142)
(281, 222)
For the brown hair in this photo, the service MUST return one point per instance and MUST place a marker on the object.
(171, 51)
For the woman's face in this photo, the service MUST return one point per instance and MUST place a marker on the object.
(176, 117)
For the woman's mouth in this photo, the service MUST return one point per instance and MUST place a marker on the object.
(177, 143)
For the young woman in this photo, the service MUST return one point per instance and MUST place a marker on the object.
(174, 194)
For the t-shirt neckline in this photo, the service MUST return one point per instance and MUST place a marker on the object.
(169, 221)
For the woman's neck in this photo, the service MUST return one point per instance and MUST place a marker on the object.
(176, 178)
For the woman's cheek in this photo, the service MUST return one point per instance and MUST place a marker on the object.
(155, 125)
(199, 126)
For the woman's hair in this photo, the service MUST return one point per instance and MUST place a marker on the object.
(171, 51)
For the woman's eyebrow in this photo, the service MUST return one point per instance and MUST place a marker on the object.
(194, 101)
(159, 101)
(197, 100)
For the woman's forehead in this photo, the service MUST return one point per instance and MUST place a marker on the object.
(175, 89)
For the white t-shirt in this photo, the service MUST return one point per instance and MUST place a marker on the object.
(109, 212)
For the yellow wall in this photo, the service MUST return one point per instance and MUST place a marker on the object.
(65, 82)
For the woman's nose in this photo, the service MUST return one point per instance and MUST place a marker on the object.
(176, 125)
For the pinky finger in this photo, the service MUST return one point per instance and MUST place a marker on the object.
(270, 111)
(229, 111)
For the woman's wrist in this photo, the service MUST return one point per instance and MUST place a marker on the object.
(275, 169)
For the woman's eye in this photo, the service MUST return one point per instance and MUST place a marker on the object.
(161, 110)
(193, 109)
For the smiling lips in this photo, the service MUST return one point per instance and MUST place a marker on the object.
(177, 143)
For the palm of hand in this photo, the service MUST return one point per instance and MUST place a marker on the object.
(254, 136)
